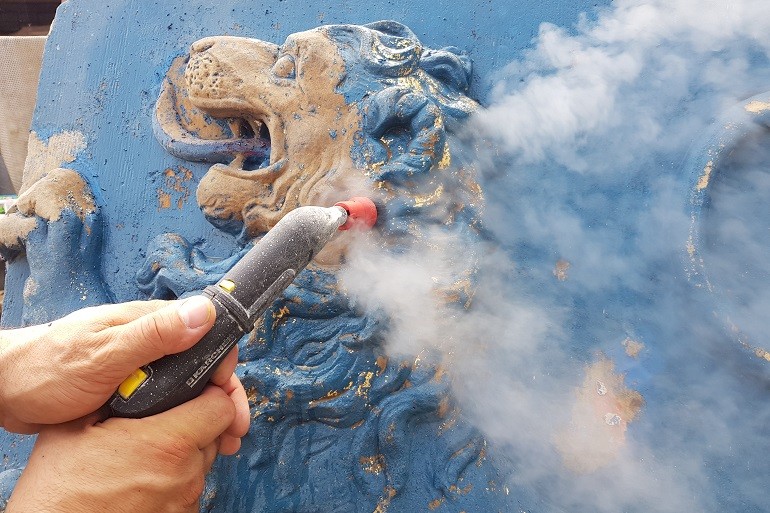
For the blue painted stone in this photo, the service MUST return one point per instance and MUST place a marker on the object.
(340, 428)
(327, 449)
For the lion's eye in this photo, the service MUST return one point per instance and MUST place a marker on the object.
(284, 67)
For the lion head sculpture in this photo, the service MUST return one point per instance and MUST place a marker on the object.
(337, 425)
(332, 111)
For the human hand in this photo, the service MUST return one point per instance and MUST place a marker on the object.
(153, 464)
(69, 368)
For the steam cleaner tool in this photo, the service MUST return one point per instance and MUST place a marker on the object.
(240, 298)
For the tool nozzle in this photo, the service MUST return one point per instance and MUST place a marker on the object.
(362, 213)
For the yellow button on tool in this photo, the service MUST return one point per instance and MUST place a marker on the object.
(227, 285)
(131, 383)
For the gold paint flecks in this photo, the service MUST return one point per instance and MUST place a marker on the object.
(633, 347)
(465, 490)
(175, 183)
(758, 351)
(757, 107)
(364, 387)
(703, 181)
(449, 423)
(279, 316)
(384, 502)
(373, 464)
(690, 247)
(446, 158)
(410, 83)
(429, 199)
(560, 270)
(604, 406)
(761, 353)
(436, 503)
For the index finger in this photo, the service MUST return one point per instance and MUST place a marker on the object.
(116, 314)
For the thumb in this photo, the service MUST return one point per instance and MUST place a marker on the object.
(169, 330)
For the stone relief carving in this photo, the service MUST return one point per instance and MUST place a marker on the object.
(337, 425)
(57, 225)
(723, 167)
(332, 111)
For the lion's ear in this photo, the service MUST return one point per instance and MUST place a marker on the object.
(450, 66)
(395, 49)
(405, 132)
(392, 28)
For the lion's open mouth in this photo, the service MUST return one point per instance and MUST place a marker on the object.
(256, 156)
(195, 125)
(260, 133)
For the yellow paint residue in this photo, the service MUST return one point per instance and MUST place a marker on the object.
(446, 158)
(279, 316)
(633, 347)
(436, 503)
(429, 199)
(373, 464)
(560, 270)
(364, 387)
(757, 107)
(384, 502)
(601, 413)
(42, 157)
(703, 181)
(164, 199)
(175, 184)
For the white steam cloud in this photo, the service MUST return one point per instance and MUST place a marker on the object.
(596, 369)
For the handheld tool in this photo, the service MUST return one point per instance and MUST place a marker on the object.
(240, 297)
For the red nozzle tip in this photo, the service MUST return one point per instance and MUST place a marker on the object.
(362, 213)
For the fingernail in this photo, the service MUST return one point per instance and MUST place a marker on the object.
(195, 311)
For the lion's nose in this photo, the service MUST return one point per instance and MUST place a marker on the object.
(202, 45)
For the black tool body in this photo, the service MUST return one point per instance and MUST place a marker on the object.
(240, 299)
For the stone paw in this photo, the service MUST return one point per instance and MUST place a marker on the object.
(56, 224)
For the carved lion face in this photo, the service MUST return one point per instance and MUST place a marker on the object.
(334, 111)
(289, 95)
